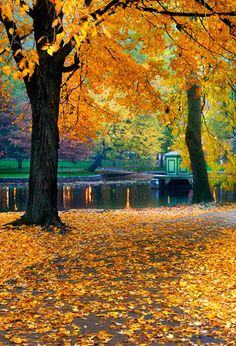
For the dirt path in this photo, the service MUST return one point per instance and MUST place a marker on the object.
(124, 277)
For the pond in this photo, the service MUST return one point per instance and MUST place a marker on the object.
(107, 196)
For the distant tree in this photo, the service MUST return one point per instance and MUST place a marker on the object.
(73, 150)
(101, 151)
(6, 119)
(20, 132)
(14, 129)
(141, 136)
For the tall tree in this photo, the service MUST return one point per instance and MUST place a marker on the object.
(201, 188)
(209, 57)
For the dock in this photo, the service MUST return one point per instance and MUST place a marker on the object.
(170, 180)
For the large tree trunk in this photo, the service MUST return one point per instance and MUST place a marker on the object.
(201, 188)
(44, 93)
(43, 88)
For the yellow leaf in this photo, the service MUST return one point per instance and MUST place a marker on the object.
(50, 51)
(6, 11)
(78, 40)
(7, 70)
(17, 52)
(94, 32)
(84, 29)
(54, 48)
(60, 36)
(58, 7)
(25, 72)
(45, 47)
(11, 31)
(107, 32)
(17, 75)
(54, 23)
(17, 340)
(75, 309)
(26, 7)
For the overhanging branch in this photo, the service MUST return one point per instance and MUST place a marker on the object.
(185, 14)
(226, 21)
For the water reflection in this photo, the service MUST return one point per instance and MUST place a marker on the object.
(13, 198)
(113, 196)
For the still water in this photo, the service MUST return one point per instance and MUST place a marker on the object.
(107, 196)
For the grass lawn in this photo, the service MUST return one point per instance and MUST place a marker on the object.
(121, 277)
(9, 164)
(8, 168)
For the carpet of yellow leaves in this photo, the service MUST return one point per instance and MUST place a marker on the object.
(138, 277)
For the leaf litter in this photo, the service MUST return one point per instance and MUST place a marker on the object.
(162, 276)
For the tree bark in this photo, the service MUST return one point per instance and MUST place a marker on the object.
(44, 93)
(201, 188)
(43, 89)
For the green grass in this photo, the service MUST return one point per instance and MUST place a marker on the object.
(64, 165)
(61, 174)
(11, 164)
(13, 175)
(9, 168)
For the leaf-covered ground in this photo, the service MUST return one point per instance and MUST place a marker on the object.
(136, 277)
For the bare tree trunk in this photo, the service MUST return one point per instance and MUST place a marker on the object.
(201, 188)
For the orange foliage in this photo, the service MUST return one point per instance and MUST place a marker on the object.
(137, 277)
(101, 38)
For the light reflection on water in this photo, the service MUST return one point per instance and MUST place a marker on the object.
(107, 196)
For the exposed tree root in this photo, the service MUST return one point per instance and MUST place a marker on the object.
(52, 224)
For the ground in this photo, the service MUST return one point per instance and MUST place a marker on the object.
(125, 277)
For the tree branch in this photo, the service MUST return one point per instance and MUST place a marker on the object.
(65, 51)
(204, 3)
(87, 2)
(226, 21)
(185, 14)
(111, 6)
(73, 66)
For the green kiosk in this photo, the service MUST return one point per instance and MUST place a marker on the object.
(173, 164)
(174, 174)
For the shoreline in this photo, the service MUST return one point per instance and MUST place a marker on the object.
(81, 180)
